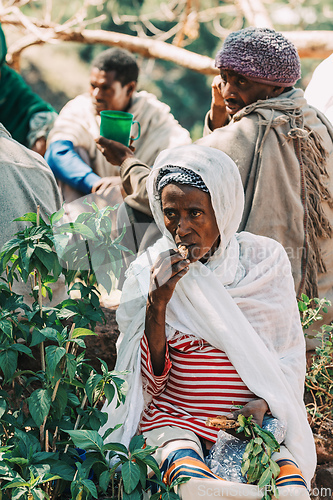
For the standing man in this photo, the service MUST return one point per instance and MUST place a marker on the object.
(72, 153)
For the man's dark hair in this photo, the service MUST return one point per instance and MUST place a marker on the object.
(119, 60)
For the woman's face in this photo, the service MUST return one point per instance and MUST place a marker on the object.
(190, 218)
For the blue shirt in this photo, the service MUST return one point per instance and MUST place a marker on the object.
(68, 166)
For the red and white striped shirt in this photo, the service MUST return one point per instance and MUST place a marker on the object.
(198, 382)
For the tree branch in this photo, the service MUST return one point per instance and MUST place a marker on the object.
(315, 44)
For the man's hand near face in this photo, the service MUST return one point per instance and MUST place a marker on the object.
(218, 116)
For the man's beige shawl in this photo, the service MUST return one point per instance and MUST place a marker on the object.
(78, 123)
(284, 151)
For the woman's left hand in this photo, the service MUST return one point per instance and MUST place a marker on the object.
(256, 407)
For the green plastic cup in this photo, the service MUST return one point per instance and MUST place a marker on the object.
(117, 125)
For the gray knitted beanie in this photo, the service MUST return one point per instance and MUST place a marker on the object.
(262, 55)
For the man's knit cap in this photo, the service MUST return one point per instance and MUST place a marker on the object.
(262, 55)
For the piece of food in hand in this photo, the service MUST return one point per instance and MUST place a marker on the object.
(182, 249)
(222, 422)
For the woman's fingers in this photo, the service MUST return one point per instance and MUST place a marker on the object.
(257, 408)
(168, 267)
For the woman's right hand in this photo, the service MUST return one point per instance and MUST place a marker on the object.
(168, 269)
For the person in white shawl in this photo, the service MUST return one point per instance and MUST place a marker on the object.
(238, 297)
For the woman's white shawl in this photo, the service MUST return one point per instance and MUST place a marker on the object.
(242, 302)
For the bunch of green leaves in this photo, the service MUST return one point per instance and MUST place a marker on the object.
(167, 491)
(311, 309)
(134, 463)
(31, 250)
(39, 407)
(257, 463)
(319, 376)
(87, 245)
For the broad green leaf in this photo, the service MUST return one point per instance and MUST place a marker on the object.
(60, 402)
(302, 306)
(7, 327)
(38, 494)
(8, 363)
(134, 495)
(90, 487)
(179, 480)
(130, 472)
(245, 466)
(56, 216)
(16, 484)
(71, 365)
(63, 470)
(28, 217)
(39, 405)
(18, 493)
(143, 472)
(53, 355)
(73, 399)
(110, 430)
(265, 478)
(22, 348)
(97, 259)
(109, 392)
(87, 440)
(50, 333)
(77, 228)
(91, 385)
(115, 447)
(17, 460)
(274, 468)
(136, 443)
(104, 480)
(151, 462)
(82, 332)
(257, 449)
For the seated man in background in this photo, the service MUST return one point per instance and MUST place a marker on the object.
(72, 153)
(26, 181)
(24, 114)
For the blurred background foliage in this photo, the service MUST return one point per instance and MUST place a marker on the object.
(61, 71)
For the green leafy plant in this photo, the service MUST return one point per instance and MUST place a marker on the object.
(50, 415)
(257, 463)
(319, 376)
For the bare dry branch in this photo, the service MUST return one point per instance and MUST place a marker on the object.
(315, 44)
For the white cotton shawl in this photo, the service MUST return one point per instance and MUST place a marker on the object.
(242, 301)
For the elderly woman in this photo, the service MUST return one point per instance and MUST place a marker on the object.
(209, 320)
